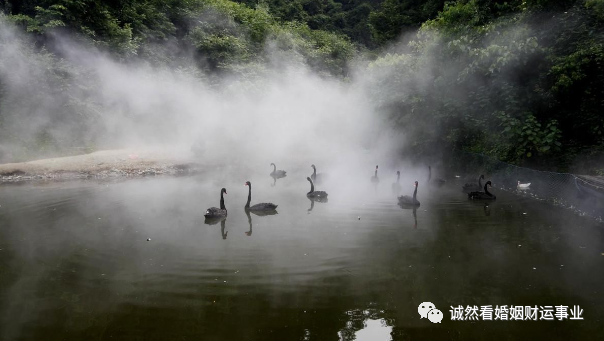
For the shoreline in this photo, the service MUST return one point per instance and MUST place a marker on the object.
(102, 164)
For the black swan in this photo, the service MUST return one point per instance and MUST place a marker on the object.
(396, 186)
(437, 182)
(317, 195)
(374, 178)
(472, 187)
(277, 173)
(406, 200)
(265, 206)
(317, 178)
(214, 212)
(486, 195)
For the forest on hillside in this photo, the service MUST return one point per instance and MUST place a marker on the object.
(522, 81)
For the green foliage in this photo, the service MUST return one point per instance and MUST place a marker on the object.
(597, 6)
(574, 68)
(529, 137)
(395, 16)
(350, 18)
(472, 74)
(457, 17)
(522, 80)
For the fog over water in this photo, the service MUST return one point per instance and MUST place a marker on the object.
(135, 258)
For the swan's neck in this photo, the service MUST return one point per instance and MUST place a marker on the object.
(398, 178)
(486, 190)
(479, 182)
(249, 197)
(314, 172)
(222, 201)
(415, 193)
(375, 173)
(274, 168)
(429, 174)
(312, 187)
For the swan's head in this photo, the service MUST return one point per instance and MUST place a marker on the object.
(519, 182)
(313, 166)
(376, 167)
(308, 178)
(272, 164)
(416, 183)
(489, 183)
(223, 191)
(247, 183)
(398, 172)
(482, 176)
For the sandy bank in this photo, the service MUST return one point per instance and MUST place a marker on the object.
(107, 163)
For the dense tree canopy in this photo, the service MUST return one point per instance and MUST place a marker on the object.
(519, 80)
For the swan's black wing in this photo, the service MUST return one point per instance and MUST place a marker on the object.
(215, 212)
(278, 174)
(481, 196)
(318, 194)
(318, 199)
(265, 206)
(405, 200)
(265, 213)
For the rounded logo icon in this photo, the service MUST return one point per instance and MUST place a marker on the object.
(435, 316)
(424, 308)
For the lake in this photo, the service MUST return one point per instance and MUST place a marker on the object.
(134, 260)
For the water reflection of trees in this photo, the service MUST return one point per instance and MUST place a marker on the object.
(356, 321)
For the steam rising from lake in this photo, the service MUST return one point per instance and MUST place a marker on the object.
(287, 114)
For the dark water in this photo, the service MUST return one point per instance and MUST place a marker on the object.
(75, 264)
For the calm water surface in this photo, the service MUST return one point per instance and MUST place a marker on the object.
(75, 263)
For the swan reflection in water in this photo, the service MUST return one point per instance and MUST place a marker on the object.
(258, 213)
(214, 221)
(414, 208)
(312, 202)
(487, 210)
(396, 186)
(415, 217)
